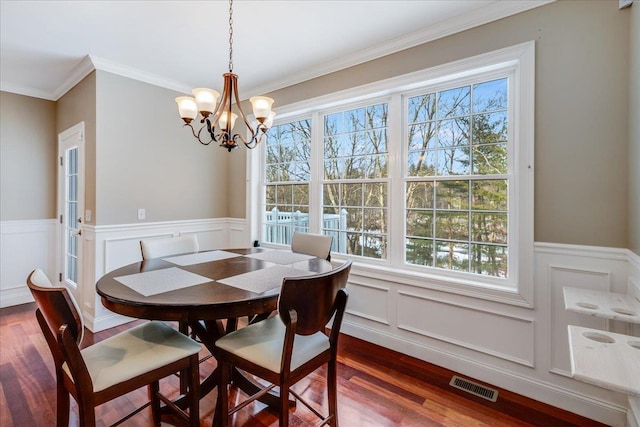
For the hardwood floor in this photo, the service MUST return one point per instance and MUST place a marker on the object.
(376, 388)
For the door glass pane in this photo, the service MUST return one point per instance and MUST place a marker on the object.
(73, 161)
(72, 214)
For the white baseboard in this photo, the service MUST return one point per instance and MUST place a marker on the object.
(16, 296)
(108, 321)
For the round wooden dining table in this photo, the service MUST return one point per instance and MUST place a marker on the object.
(203, 289)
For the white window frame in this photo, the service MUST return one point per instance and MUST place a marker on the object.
(511, 174)
(320, 162)
(313, 215)
(519, 60)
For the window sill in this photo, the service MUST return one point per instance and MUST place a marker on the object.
(438, 282)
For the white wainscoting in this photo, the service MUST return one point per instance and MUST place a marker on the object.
(521, 349)
(28, 244)
(633, 286)
(115, 246)
(518, 348)
(24, 245)
(633, 418)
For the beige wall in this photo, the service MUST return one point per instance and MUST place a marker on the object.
(587, 132)
(137, 155)
(582, 75)
(79, 105)
(145, 159)
(236, 180)
(581, 124)
(28, 151)
(634, 130)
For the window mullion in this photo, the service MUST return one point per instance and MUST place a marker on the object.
(317, 175)
(395, 191)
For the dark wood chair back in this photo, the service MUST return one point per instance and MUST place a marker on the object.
(314, 298)
(56, 306)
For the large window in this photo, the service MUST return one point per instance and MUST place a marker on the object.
(287, 181)
(354, 207)
(457, 178)
(429, 173)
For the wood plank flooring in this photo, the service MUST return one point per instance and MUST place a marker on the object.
(376, 388)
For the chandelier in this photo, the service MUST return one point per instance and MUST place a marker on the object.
(217, 118)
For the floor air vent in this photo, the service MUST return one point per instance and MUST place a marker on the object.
(474, 388)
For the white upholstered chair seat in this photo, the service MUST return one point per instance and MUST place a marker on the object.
(262, 344)
(134, 352)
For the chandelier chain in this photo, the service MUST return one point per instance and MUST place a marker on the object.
(230, 35)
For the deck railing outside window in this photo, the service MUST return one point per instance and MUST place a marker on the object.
(280, 225)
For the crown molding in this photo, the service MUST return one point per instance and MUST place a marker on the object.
(132, 73)
(493, 12)
(88, 64)
(27, 91)
(79, 72)
(484, 15)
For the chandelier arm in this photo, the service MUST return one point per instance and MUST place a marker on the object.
(254, 132)
(197, 135)
(257, 137)
(255, 141)
(211, 130)
(222, 105)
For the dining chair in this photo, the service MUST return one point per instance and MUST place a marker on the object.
(96, 374)
(318, 245)
(287, 347)
(167, 246)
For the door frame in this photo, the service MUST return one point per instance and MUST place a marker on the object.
(67, 139)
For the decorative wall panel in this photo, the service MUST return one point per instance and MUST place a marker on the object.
(24, 246)
(499, 335)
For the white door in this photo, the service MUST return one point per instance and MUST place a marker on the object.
(71, 207)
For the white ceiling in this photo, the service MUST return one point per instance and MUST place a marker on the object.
(48, 46)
